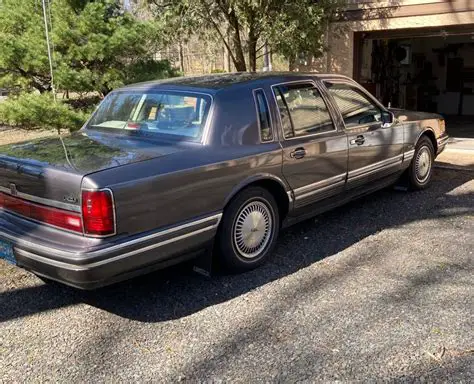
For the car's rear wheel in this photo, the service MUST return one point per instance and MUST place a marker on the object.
(249, 230)
(421, 167)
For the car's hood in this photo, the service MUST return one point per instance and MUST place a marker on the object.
(406, 115)
(86, 151)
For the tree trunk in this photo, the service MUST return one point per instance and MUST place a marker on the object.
(238, 57)
(253, 56)
(252, 42)
(41, 88)
(267, 58)
(292, 63)
(227, 54)
(252, 49)
(181, 58)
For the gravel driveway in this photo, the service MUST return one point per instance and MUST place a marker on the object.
(380, 289)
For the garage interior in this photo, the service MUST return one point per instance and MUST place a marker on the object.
(430, 69)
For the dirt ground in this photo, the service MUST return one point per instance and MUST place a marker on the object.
(9, 135)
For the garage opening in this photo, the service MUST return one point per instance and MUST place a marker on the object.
(428, 70)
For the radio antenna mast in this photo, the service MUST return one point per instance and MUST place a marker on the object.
(46, 31)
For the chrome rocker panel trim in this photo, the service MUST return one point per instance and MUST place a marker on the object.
(319, 187)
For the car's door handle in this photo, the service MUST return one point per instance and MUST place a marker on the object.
(298, 153)
(359, 140)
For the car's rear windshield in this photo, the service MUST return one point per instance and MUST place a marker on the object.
(179, 115)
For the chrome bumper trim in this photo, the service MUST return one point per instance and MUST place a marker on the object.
(82, 258)
(87, 267)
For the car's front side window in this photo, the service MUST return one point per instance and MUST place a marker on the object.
(356, 108)
(174, 114)
(306, 109)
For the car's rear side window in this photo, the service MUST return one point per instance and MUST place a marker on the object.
(303, 110)
(263, 115)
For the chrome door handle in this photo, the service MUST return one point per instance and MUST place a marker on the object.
(298, 153)
(359, 140)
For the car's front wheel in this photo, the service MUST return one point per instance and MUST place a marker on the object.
(249, 230)
(421, 168)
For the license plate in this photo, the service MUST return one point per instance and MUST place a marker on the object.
(6, 252)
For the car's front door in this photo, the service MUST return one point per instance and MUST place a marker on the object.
(375, 148)
(314, 149)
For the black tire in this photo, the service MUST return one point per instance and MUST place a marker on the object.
(231, 240)
(421, 167)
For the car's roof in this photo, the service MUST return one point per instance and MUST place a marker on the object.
(215, 82)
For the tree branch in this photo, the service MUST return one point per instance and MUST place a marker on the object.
(261, 47)
(263, 54)
(216, 27)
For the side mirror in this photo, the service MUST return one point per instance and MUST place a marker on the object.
(388, 119)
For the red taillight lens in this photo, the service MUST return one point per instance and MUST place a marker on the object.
(57, 217)
(98, 213)
(133, 125)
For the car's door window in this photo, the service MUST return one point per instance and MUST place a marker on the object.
(356, 107)
(303, 110)
(263, 115)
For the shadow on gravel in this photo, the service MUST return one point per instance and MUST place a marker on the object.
(177, 292)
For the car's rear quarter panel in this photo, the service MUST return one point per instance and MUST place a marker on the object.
(162, 192)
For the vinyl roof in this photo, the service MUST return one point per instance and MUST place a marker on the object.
(220, 81)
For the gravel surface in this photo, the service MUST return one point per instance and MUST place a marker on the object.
(380, 289)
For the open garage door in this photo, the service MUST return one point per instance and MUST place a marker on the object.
(429, 69)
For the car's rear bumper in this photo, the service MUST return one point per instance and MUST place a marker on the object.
(87, 264)
(442, 141)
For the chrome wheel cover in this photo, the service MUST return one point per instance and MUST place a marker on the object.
(423, 163)
(252, 229)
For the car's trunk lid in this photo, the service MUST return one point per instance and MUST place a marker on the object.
(50, 170)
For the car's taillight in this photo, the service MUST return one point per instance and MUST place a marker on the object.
(52, 216)
(98, 213)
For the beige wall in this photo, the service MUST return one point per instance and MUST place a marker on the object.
(355, 4)
(339, 59)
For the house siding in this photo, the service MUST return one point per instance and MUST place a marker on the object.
(406, 15)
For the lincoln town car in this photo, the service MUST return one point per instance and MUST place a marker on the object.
(202, 168)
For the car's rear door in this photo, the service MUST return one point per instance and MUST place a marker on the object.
(375, 149)
(314, 148)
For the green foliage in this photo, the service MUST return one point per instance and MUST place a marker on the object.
(291, 28)
(144, 70)
(218, 70)
(299, 30)
(33, 110)
(96, 46)
(23, 55)
(86, 104)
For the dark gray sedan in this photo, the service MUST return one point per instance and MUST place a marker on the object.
(200, 167)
